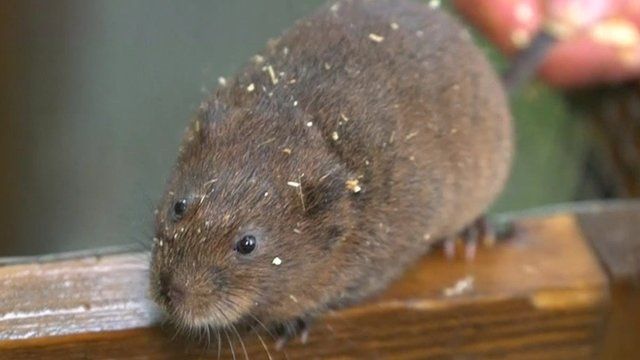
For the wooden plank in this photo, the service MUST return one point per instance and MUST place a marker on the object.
(615, 236)
(540, 295)
(88, 294)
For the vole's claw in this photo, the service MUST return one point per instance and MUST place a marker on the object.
(290, 330)
(449, 247)
(478, 232)
(281, 342)
(470, 249)
(304, 335)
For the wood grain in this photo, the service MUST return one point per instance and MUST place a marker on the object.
(615, 235)
(540, 295)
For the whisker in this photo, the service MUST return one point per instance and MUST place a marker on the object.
(263, 326)
(269, 332)
(219, 343)
(233, 353)
(175, 333)
(264, 345)
(206, 330)
(246, 356)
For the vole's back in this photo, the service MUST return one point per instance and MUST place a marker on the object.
(425, 103)
(400, 95)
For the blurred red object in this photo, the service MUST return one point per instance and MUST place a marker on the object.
(598, 40)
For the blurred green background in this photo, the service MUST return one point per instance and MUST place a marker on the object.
(96, 95)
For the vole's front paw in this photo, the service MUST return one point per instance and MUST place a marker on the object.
(289, 330)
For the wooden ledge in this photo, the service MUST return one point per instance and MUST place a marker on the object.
(541, 295)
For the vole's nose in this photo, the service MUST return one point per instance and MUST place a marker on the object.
(175, 294)
(169, 290)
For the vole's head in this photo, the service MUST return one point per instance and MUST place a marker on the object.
(249, 217)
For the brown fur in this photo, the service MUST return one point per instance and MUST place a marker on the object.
(422, 125)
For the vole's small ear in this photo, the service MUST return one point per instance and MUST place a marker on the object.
(320, 194)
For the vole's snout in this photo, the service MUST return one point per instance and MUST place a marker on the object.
(170, 291)
(194, 301)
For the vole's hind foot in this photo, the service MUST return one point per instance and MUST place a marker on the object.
(481, 231)
(289, 330)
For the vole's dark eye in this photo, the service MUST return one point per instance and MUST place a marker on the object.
(179, 208)
(246, 244)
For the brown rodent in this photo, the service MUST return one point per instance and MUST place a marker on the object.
(328, 164)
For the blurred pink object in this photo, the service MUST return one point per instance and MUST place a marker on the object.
(599, 40)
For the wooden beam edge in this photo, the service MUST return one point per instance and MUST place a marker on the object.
(583, 286)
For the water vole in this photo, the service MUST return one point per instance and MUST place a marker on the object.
(328, 164)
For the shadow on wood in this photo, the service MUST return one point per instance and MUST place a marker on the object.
(540, 295)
